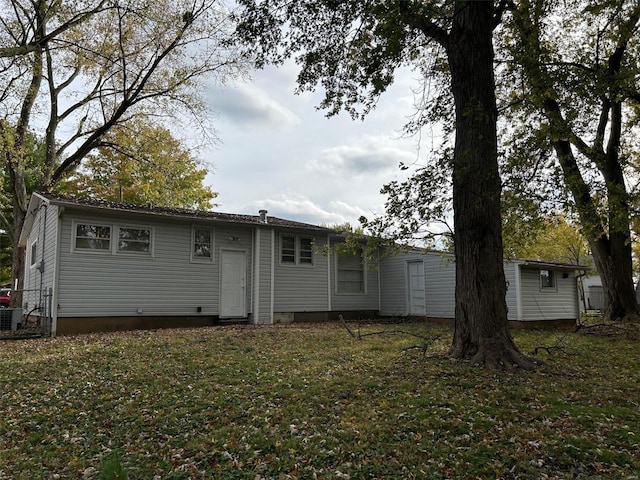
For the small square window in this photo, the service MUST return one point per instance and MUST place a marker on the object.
(547, 279)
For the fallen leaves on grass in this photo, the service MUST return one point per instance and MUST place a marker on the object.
(310, 402)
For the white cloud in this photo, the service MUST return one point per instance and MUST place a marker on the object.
(280, 154)
(249, 107)
(369, 155)
(298, 207)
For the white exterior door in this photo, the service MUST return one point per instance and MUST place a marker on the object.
(233, 284)
(417, 300)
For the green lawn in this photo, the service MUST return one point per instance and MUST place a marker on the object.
(310, 401)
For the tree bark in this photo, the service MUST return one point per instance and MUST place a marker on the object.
(481, 326)
(611, 250)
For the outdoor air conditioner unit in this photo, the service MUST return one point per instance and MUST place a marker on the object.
(10, 318)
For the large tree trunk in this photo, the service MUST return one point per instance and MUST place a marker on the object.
(614, 266)
(611, 249)
(481, 326)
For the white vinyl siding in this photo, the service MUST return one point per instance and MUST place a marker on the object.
(168, 283)
(393, 284)
(265, 267)
(550, 303)
(440, 285)
(43, 233)
(301, 289)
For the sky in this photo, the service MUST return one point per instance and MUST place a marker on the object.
(279, 153)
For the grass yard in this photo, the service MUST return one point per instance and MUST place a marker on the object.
(309, 401)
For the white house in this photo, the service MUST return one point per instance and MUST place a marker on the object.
(106, 266)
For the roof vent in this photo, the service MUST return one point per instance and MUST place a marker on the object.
(263, 216)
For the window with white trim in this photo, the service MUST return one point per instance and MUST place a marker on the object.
(34, 253)
(90, 237)
(202, 244)
(134, 240)
(305, 250)
(296, 250)
(288, 249)
(350, 273)
(111, 240)
(547, 279)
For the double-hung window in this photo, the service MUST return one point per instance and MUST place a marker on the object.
(296, 250)
(288, 249)
(351, 273)
(202, 244)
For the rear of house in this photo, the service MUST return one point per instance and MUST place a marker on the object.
(96, 266)
(108, 266)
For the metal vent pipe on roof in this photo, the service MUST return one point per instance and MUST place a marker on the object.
(263, 216)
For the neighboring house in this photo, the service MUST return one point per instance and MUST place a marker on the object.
(593, 292)
(107, 266)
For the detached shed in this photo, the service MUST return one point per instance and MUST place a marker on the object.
(418, 283)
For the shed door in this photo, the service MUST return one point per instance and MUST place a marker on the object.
(233, 284)
(417, 303)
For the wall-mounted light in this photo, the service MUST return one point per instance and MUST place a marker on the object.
(233, 238)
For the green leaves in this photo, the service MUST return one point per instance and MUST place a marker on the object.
(142, 163)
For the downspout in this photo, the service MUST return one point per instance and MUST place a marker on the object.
(519, 313)
(379, 286)
(54, 276)
(256, 305)
(273, 274)
(328, 273)
(41, 266)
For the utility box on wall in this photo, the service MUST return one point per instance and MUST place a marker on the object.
(10, 318)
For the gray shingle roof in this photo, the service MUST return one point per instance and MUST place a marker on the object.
(179, 212)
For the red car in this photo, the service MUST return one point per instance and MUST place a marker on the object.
(5, 297)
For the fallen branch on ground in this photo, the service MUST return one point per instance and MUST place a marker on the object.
(427, 341)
